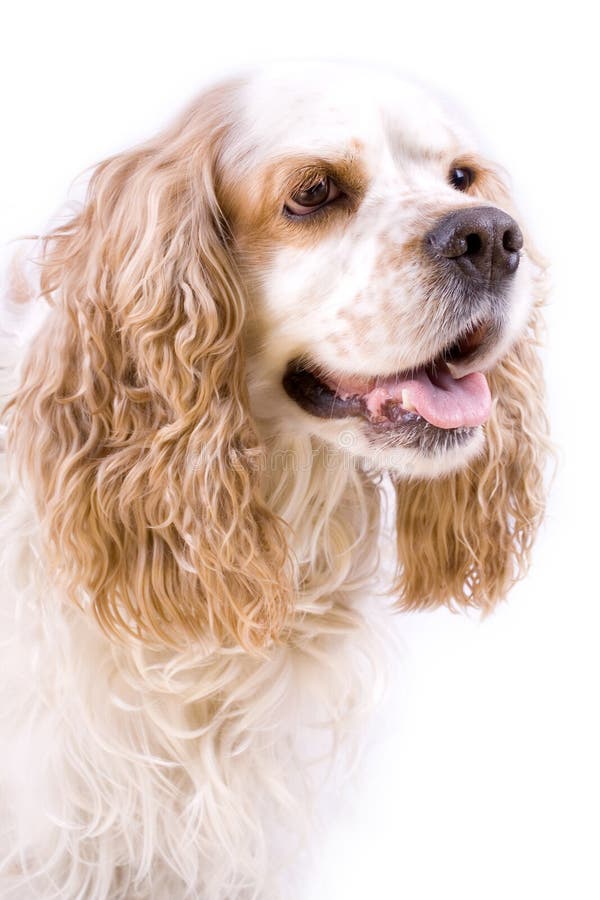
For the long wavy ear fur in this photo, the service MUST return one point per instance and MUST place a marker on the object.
(132, 420)
(465, 538)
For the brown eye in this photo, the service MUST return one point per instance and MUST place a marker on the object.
(312, 198)
(461, 178)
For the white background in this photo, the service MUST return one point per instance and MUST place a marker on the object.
(481, 780)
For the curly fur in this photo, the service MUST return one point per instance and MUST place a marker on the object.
(465, 538)
(138, 442)
(187, 570)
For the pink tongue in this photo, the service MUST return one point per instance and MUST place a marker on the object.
(440, 399)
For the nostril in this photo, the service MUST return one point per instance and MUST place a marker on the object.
(512, 240)
(507, 240)
(474, 244)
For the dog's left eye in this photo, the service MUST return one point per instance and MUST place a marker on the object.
(461, 177)
(312, 198)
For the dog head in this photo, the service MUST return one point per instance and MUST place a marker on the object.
(383, 261)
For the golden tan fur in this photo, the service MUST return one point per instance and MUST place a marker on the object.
(131, 422)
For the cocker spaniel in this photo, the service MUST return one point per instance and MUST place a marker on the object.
(308, 294)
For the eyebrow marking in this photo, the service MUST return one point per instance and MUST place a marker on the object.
(255, 205)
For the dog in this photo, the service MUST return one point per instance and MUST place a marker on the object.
(307, 296)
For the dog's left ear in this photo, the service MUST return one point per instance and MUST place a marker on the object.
(132, 421)
(465, 538)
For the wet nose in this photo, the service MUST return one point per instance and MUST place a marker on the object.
(483, 242)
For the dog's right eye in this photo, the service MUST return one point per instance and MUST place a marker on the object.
(313, 198)
(461, 177)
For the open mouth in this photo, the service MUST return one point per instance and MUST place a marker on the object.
(425, 400)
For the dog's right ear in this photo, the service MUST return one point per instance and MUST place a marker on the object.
(465, 538)
(132, 421)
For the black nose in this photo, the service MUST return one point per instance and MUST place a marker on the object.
(483, 242)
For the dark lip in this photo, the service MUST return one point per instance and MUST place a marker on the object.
(303, 385)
